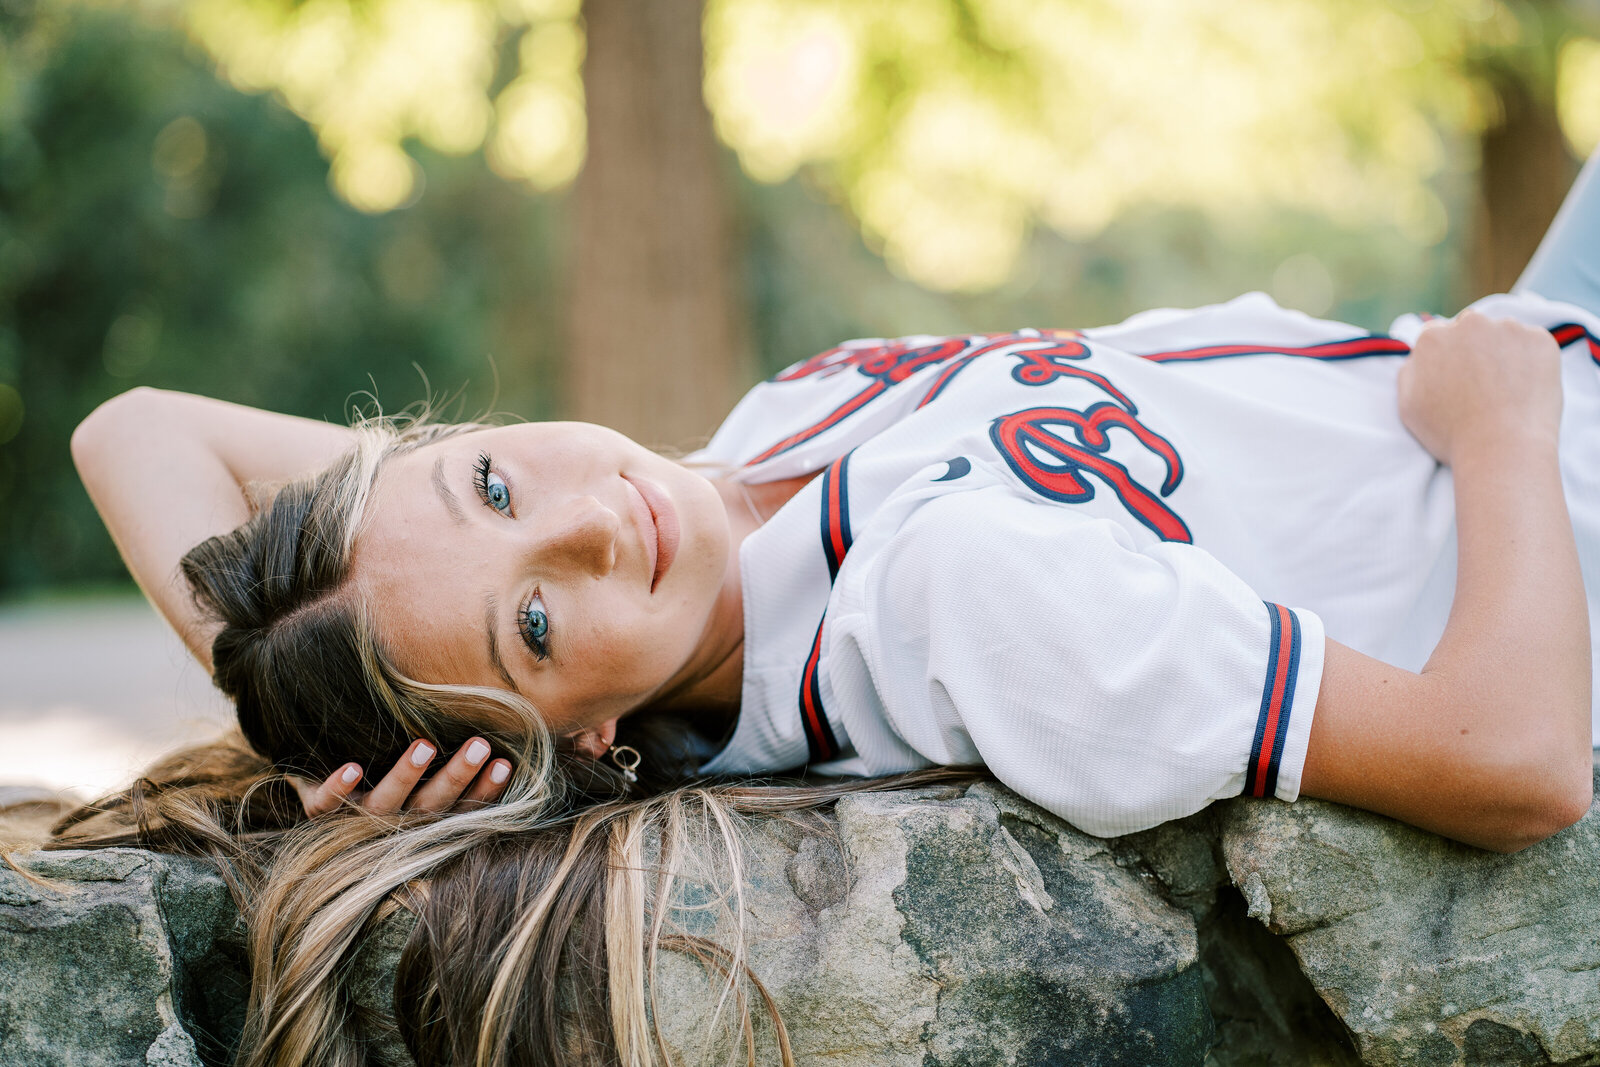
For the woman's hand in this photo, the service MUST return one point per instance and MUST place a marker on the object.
(1490, 742)
(1475, 376)
(469, 780)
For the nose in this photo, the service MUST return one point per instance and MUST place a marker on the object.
(582, 533)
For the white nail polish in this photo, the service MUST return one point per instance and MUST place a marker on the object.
(499, 773)
(421, 755)
(350, 774)
(476, 751)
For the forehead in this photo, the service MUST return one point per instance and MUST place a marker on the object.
(409, 471)
(403, 496)
(416, 568)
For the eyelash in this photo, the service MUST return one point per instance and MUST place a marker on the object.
(537, 644)
(481, 471)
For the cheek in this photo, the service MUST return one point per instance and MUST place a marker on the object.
(624, 655)
(635, 648)
(702, 565)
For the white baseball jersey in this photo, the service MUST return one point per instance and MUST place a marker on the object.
(1103, 562)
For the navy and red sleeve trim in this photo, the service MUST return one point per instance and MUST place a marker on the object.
(821, 744)
(1277, 701)
(835, 514)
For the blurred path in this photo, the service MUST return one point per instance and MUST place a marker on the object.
(92, 690)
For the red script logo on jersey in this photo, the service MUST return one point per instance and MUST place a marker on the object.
(892, 362)
(886, 364)
(1053, 466)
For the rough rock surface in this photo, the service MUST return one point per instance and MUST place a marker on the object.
(973, 929)
(1431, 952)
(127, 957)
(950, 927)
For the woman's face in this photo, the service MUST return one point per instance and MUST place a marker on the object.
(557, 559)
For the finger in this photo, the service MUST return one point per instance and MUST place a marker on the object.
(389, 795)
(488, 786)
(446, 787)
(321, 799)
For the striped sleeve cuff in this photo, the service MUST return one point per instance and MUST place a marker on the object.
(1291, 680)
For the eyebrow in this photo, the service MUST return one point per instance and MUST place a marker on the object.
(489, 614)
(451, 504)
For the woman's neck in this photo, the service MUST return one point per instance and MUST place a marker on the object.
(761, 502)
(721, 684)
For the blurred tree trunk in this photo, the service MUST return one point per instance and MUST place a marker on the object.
(1525, 172)
(655, 338)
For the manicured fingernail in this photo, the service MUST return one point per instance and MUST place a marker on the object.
(421, 754)
(476, 751)
(351, 773)
(499, 773)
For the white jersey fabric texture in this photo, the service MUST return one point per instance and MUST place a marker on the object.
(1101, 562)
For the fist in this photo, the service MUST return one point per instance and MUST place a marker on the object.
(1480, 377)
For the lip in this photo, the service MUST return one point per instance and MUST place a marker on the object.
(659, 527)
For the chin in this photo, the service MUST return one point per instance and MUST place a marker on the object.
(710, 535)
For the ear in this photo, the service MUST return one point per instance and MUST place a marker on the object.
(594, 741)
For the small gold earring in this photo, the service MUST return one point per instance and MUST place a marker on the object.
(626, 757)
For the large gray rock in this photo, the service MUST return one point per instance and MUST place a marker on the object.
(968, 929)
(911, 928)
(1430, 952)
(1264, 1009)
(124, 957)
(927, 928)
(943, 927)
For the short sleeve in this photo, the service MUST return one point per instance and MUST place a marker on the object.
(1118, 684)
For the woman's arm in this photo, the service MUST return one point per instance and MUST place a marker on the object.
(1490, 742)
(168, 470)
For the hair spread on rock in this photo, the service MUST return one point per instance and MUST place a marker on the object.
(538, 925)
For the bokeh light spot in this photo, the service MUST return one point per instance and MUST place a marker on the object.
(179, 149)
(374, 177)
(131, 342)
(541, 134)
(782, 84)
(1578, 94)
(365, 77)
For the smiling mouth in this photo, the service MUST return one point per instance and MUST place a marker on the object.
(662, 543)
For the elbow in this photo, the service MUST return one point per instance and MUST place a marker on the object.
(1555, 798)
(101, 426)
(1567, 803)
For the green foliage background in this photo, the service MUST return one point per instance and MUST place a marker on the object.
(243, 277)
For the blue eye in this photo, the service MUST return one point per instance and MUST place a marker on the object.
(495, 489)
(537, 623)
(535, 627)
(491, 487)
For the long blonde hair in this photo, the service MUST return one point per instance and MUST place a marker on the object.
(538, 923)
